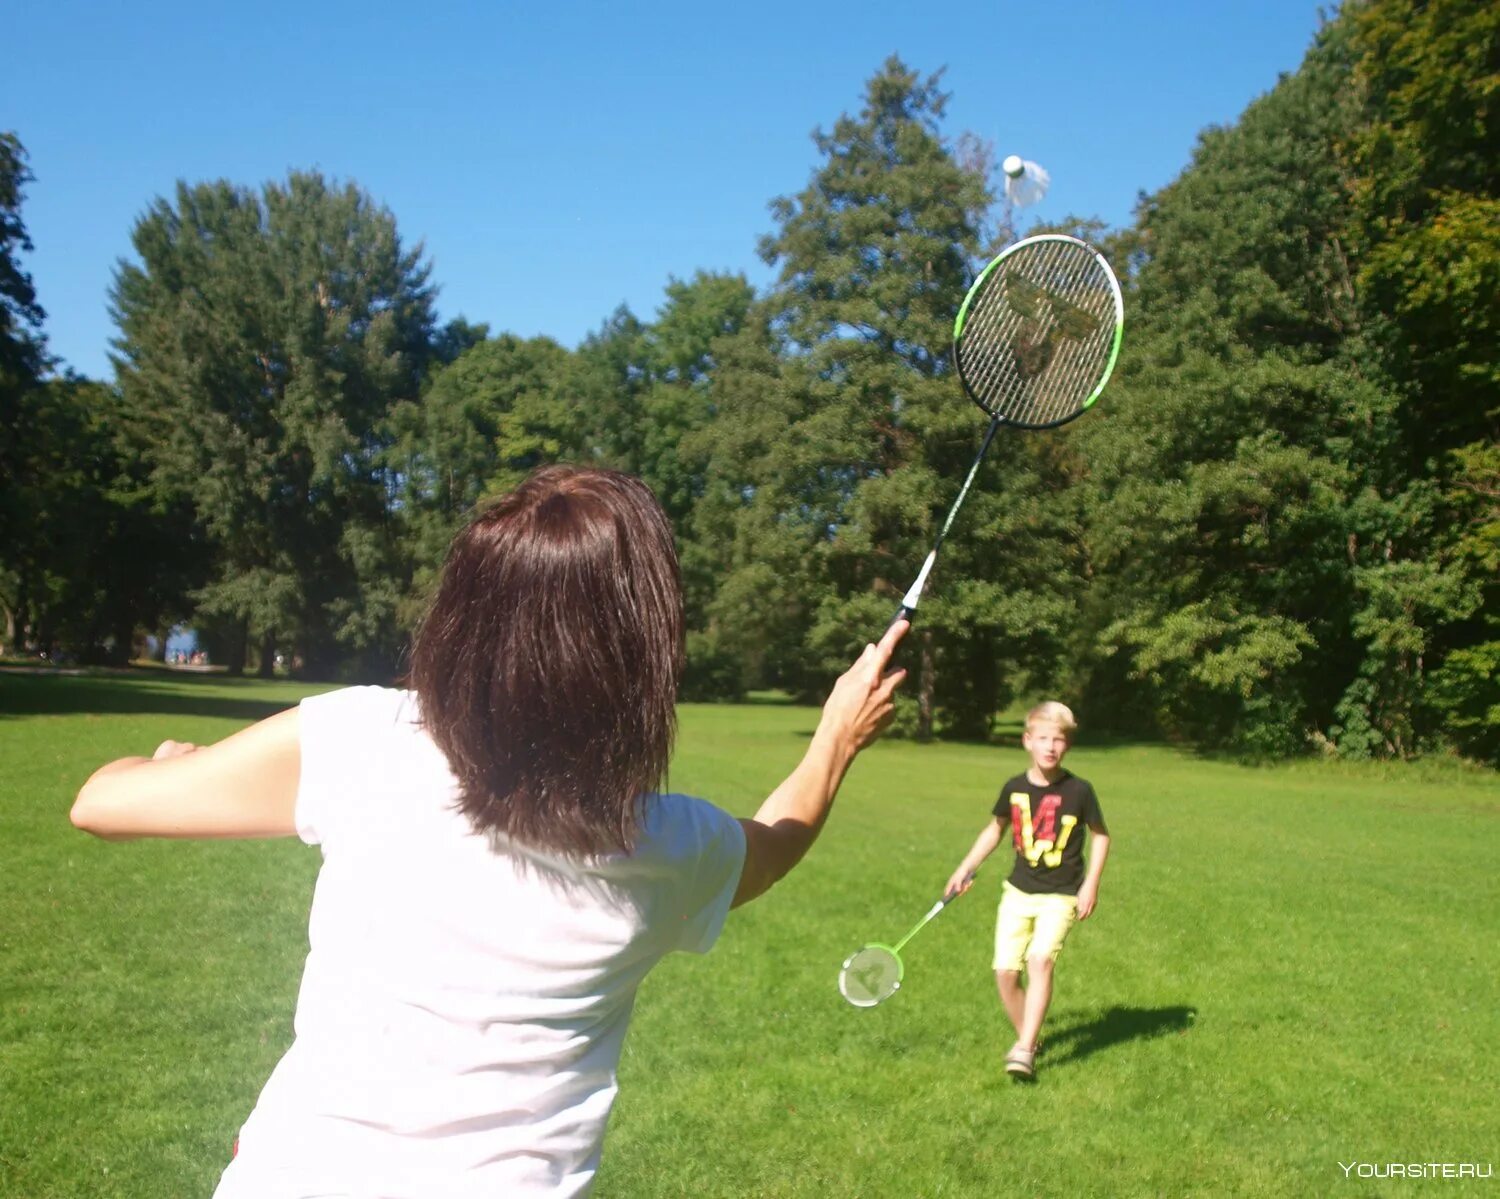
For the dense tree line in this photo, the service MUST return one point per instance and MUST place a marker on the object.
(1280, 529)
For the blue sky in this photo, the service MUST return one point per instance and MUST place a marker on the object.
(559, 159)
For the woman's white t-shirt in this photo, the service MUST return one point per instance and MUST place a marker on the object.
(464, 1000)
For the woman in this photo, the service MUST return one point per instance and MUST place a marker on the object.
(498, 872)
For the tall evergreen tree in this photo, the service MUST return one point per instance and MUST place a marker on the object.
(838, 469)
(23, 358)
(263, 339)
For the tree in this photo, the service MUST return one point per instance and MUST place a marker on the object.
(1426, 225)
(679, 355)
(631, 397)
(830, 470)
(98, 560)
(681, 351)
(1284, 507)
(1223, 464)
(502, 408)
(453, 340)
(614, 371)
(23, 358)
(263, 340)
(22, 346)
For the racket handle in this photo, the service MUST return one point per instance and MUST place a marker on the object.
(913, 596)
(968, 878)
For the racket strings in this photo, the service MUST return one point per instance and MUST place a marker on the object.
(1049, 288)
(870, 975)
(1039, 334)
(1035, 366)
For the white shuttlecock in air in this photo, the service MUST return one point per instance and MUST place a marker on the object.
(1025, 181)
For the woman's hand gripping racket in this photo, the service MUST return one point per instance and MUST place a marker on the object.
(1035, 342)
(873, 973)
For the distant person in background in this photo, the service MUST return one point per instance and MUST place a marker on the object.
(499, 872)
(1047, 809)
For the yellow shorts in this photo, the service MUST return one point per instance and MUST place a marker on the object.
(1031, 926)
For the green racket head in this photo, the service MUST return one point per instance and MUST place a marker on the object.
(1038, 334)
(870, 975)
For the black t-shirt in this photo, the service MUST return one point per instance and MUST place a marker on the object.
(1046, 824)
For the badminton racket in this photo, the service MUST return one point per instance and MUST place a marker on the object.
(873, 973)
(1035, 341)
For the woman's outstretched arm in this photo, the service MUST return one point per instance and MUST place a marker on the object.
(243, 786)
(789, 821)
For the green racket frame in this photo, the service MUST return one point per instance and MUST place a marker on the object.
(895, 953)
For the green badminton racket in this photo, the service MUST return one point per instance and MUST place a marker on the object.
(1035, 342)
(873, 973)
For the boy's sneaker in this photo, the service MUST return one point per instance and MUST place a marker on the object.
(1020, 1064)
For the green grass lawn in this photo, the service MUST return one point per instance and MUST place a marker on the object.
(1289, 968)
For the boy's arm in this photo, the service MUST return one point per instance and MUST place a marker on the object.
(984, 845)
(1088, 894)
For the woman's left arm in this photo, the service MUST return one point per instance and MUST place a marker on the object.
(243, 786)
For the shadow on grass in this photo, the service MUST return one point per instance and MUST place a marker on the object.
(768, 699)
(1007, 736)
(1072, 1042)
(146, 694)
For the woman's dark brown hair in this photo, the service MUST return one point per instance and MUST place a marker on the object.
(548, 664)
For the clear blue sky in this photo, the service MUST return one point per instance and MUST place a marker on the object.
(559, 159)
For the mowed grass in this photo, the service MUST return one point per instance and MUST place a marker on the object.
(1290, 968)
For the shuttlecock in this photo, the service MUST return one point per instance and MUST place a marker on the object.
(1026, 185)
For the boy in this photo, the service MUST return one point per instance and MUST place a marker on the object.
(1047, 888)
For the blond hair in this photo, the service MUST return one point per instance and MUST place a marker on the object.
(1052, 712)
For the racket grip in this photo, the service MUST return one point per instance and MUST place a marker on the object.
(968, 878)
(913, 596)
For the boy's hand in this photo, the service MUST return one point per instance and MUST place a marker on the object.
(960, 882)
(1088, 896)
